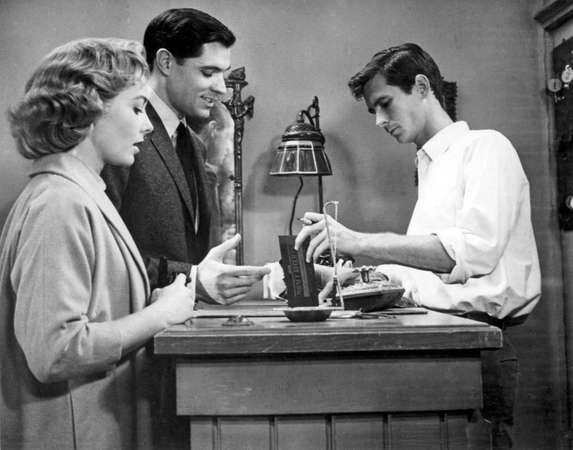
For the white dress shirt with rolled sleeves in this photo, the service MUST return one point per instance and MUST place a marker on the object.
(474, 195)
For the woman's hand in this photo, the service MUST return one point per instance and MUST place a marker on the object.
(175, 302)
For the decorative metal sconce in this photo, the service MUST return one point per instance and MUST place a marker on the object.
(239, 109)
(301, 152)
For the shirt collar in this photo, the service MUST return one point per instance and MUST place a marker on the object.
(441, 141)
(165, 113)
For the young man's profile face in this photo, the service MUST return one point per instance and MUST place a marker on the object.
(399, 113)
(193, 85)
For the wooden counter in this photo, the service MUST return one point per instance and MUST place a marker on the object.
(403, 381)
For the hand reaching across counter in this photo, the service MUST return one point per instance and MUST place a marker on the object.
(326, 275)
(347, 240)
(222, 283)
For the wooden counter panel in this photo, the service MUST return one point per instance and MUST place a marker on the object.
(355, 431)
(315, 385)
(401, 382)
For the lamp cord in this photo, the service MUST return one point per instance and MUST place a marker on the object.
(294, 205)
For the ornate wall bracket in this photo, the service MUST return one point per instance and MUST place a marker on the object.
(240, 109)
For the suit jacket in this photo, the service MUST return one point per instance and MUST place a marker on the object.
(154, 200)
(68, 268)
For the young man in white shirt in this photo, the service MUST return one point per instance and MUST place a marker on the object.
(469, 249)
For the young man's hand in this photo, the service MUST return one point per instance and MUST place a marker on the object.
(347, 240)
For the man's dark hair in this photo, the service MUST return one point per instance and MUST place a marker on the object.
(183, 31)
(399, 65)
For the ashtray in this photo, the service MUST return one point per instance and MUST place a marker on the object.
(307, 313)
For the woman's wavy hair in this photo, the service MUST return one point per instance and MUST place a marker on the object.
(69, 91)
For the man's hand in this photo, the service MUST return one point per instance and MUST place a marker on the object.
(325, 276)
(226, 283)
(219, 135)
(347, 241)
(221, 117)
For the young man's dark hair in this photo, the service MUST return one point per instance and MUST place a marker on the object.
(183, 31)
(399, 65)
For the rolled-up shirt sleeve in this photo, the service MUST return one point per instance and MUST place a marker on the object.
(489, 206)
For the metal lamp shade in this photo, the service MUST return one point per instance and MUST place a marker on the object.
(301, 152)
(301, 158)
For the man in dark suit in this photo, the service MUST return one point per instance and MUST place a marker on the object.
(164, 197)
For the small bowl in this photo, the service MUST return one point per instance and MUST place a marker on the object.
(307, 313)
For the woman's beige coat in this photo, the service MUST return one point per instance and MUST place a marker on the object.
(68, 266)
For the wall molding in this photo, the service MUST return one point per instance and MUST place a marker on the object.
(554, 14)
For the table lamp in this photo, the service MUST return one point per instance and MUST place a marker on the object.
(301, 152)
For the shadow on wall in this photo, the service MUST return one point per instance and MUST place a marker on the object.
(271, 185)
(343, 169)
(374, 182)
(375, 177)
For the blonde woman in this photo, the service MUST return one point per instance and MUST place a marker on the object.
(74, 294)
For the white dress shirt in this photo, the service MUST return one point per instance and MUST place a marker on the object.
(167, 115)
(474, 195)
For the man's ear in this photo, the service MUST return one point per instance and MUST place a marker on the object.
(163, 61)
(422, 85)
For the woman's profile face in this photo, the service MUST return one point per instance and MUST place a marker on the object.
(123, 125)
